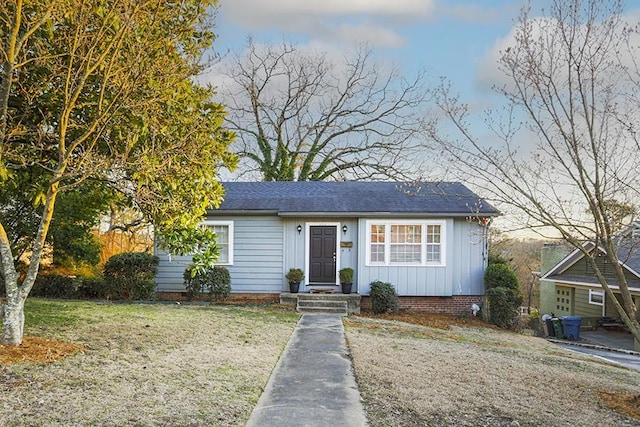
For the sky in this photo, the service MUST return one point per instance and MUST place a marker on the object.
(451, 38)
(456, 39)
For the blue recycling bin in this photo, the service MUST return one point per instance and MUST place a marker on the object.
(571, 326)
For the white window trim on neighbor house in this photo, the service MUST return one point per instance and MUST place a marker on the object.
(229, 244)
(599, 295)
(423, 244)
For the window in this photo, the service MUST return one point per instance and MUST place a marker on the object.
(224, 235)
(405, 243)
(596, 297)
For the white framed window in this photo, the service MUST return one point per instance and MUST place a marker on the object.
(405, 242)
(224, 239)
(596, 297)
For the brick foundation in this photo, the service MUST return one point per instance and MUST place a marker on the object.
(454, 305)
(240, 298)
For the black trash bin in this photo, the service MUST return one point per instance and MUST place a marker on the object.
(557, 328)
(550, 331)
(571, 325)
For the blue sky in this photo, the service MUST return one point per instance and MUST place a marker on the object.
(457, 39)
(451, 38)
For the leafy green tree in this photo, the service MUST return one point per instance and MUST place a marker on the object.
(105, 91)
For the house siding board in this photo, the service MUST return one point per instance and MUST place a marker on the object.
(462, 274)
(257, 263)
(468, 253)
(582, 307)
(583, 269)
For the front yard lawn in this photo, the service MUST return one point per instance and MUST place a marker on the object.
(474, 375)
(143, 365)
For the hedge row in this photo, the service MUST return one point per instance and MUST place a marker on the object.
(127, 276)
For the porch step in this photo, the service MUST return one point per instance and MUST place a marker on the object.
(322, 303)
(321, 306)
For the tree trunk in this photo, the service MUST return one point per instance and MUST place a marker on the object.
(13, 319)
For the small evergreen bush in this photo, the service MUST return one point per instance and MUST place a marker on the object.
(215, 281)
(131, 275)
(93, 288)
(295, 275)
(503, 306)
(54, 286)
(500, 276)
(503, 294)
(383, 297)
(346, 275)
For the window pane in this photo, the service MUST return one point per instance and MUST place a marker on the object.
(406, 234)
(433, 234)
(377, 253)
(222, 238)
(405, 253)
(433, 253)
(377, 234)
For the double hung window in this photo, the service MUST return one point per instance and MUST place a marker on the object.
(405, 242)
(224, 240)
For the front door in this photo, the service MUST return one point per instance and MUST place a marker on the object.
(322, 254)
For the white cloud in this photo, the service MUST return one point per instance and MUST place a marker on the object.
(477, 13)
(263, 14)
(489, 74)
(343, 21)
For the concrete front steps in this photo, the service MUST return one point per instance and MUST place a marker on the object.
(342, 304)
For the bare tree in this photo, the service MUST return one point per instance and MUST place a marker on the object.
(301, 116)
(565, 145)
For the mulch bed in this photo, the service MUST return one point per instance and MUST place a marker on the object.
(37, 350)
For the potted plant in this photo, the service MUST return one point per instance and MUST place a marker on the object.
(294, 276)
(346, 279)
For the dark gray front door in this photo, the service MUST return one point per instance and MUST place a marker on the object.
(322, 261)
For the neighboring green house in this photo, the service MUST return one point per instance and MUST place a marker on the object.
(568, 285)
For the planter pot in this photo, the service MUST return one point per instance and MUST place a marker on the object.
(346, 288)
(294, 287)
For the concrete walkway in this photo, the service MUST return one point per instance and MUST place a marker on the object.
(313, 382)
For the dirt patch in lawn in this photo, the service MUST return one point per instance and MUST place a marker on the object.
(38, 350)
(424, 369)
(429, 320)
(627, 404)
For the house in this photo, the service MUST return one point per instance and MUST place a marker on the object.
(568, 285)
(427, 239)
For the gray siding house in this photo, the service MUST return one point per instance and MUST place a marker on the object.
(426, 239)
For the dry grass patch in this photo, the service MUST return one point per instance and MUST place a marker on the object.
(410, 374)
(148, 365)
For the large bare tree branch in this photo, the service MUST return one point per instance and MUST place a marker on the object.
(302, 116)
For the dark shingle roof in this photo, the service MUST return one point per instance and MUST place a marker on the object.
(353, 197)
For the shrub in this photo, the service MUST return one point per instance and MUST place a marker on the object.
(93, 288)
(346, 275)
(54, 286)
(295, 275)
(216, 281)
(503, 306)
(130, 275)
(500, 276)
(383, 297)
(503, 294)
